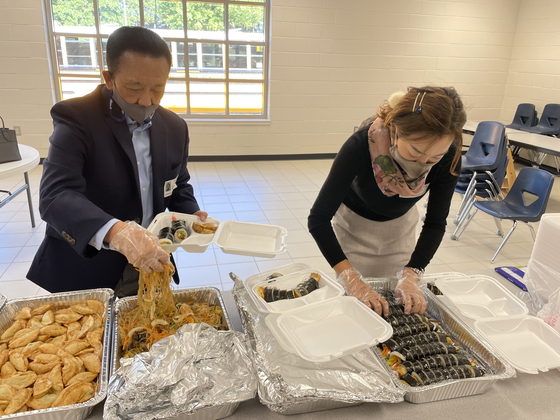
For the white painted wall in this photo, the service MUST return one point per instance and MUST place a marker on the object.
(332, 64)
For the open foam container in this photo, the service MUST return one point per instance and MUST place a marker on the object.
(240, 238)
(502, 319)
(321, 326)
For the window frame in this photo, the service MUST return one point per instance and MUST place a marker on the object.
(226, 42)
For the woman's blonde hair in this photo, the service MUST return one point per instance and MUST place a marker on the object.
(427, 112)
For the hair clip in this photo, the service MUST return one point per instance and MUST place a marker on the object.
(418, 109)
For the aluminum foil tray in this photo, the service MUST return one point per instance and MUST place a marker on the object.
(288, 384)
(2, 301)
(205, 294)
(497, 369)
(312, 406)
(59, 300)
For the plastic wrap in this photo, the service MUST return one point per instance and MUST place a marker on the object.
(542, 283)
(197, 368)
(288, 384)
(542, 276)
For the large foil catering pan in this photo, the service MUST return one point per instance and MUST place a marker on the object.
(2, 301)
(205, 294)
(288, 384)
(497, 369)
(59, 300)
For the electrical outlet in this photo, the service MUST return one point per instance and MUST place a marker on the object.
(17, 129)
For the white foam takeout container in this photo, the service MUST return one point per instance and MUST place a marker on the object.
(502, 319)
(328, 288)
(240, 238)
(321, 326)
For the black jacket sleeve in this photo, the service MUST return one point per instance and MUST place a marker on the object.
(63, 203)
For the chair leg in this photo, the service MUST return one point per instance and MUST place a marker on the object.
(455, 236)
(462, 218)
(466, 198)
(557, 163)
(532, 230)
(505, 240)
(499, 226)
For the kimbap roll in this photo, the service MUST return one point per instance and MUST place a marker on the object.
(179, 230)
(165, 236)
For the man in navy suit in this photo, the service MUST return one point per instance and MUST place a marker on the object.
(116, 160)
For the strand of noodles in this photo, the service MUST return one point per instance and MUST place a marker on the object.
(157, 315)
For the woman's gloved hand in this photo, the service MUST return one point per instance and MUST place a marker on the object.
(139, 246)
(355, 286)
(408, 292)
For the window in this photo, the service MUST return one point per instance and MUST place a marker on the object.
(219, 50)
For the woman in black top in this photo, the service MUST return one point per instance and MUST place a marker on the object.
(378, 176)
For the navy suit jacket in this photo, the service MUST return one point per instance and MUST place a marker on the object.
(91, 176)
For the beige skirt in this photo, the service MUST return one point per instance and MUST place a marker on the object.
(376, 249)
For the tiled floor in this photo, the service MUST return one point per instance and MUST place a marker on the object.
(276, 192)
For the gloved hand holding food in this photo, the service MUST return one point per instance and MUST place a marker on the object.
(408, 292)
(138, 245)
(355, 286)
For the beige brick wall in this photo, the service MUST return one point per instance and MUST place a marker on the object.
(26, 93)
(534, 71)
(332, 64)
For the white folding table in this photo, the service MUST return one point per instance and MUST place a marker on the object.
(29, 159)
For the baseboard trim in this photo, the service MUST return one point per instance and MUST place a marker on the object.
(238, 158)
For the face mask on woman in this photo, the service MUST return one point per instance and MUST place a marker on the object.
(413, 170)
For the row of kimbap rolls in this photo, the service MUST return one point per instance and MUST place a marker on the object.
(177, 232)
(273, 294)
(430, 376)
(439, 361)
(420, 352)
(399, 343)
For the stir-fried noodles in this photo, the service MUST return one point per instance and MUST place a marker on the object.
(157, 314)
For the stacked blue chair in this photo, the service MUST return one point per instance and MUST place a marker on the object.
(549, 123)
(525, 117)
(532, 181)
(483, 169)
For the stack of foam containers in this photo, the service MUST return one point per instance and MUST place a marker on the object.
(543, 270)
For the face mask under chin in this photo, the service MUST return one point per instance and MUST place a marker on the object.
(136, 112)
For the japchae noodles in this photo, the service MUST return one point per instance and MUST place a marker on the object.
(158, 316)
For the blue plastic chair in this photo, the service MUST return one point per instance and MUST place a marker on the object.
(530, 180)
(549, 123)
(483, 169)
(525, 116)
(487, 148)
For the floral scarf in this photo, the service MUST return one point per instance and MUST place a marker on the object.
(388, 175)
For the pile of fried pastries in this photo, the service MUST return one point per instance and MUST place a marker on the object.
(205, 228)
(51, 357)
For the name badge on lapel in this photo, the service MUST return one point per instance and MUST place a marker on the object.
(169, 187)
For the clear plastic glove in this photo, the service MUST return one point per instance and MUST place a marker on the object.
(140, 247)
(408, 292)
(355, 286)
